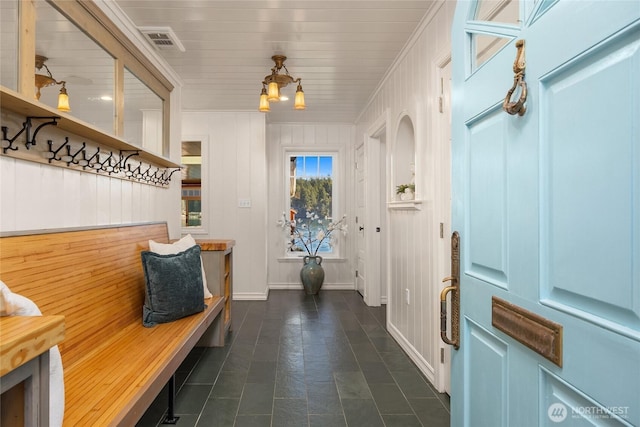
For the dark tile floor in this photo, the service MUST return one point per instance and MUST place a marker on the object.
(298, 360)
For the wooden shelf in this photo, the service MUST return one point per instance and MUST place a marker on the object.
(13, 101)
(414, 205)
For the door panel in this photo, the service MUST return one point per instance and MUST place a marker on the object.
(487, 198)
(593, 169)
(486, 373)
(547, 206)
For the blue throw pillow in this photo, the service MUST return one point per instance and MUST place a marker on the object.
(173, 286)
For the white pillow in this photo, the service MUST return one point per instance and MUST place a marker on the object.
(16, 305)
(176, 247)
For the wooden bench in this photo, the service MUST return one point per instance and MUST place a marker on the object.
(113, 366)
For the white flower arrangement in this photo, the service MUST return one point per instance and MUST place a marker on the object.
(300, 232)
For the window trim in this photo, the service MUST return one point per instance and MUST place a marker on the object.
(203, 228)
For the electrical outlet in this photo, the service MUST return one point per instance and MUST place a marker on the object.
(406, 296)
(244, 203)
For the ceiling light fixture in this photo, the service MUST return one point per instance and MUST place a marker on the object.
(43, 81)
(275, 81)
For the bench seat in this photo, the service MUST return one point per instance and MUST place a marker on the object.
(116, 382)
(114, 367)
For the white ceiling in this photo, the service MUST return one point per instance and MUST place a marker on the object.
(340, 49)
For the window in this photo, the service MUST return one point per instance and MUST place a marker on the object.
(311, 198)
(191, 184)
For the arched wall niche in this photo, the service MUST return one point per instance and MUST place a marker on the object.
(404, 159)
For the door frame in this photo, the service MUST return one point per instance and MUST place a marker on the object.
(442, 196)
(373, 154)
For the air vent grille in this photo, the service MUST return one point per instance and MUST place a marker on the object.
(162, 38)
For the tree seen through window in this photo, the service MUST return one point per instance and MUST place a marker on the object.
(311, 192)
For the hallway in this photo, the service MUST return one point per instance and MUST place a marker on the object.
(298, 360)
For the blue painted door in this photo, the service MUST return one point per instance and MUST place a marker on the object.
(547, 205)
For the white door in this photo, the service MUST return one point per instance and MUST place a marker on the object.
(547, 205)
(360, 213)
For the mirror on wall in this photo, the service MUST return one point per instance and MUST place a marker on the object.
(9, 44)
(142, 114)
(191, 184)
(86, 68)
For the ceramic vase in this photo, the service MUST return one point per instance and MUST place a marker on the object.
(312, 274)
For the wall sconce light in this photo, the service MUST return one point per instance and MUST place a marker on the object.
(275, 81)
(43, 81)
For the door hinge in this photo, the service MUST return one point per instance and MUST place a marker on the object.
(442, 230)
(356, 273)
(440, 104)
(441, 355)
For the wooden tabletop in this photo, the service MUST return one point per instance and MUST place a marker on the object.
(23, 338)
(215, 244)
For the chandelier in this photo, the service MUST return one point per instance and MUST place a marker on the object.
(43, 81)
(275, 81)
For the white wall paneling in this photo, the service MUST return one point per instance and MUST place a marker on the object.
(235, 169)
(413, 240)
(38, 196)
(284, 273)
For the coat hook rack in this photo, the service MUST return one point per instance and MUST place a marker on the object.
(7, 143)
(53, 154)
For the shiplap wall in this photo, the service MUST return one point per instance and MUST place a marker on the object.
(285, 273)
(235, 163)
(411, 88)
(36, 196)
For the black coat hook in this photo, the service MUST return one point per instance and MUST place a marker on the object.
(84, 162)
(71, 158)
(53, 154)
(100, 165)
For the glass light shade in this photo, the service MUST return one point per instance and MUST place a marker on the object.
(298, 103)
(264, 102)
(274, 92)
(63, 100)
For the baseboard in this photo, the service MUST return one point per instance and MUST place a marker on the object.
(263, 296)
(251, 296)
(325, 286)
(413, 354)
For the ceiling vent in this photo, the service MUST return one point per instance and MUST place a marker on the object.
(162, 38)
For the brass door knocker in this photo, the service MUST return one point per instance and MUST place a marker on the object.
(519, 65)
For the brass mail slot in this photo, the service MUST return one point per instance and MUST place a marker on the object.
(539, 334)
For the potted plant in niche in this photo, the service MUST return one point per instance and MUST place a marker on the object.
(406, 191)
(310, 235)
